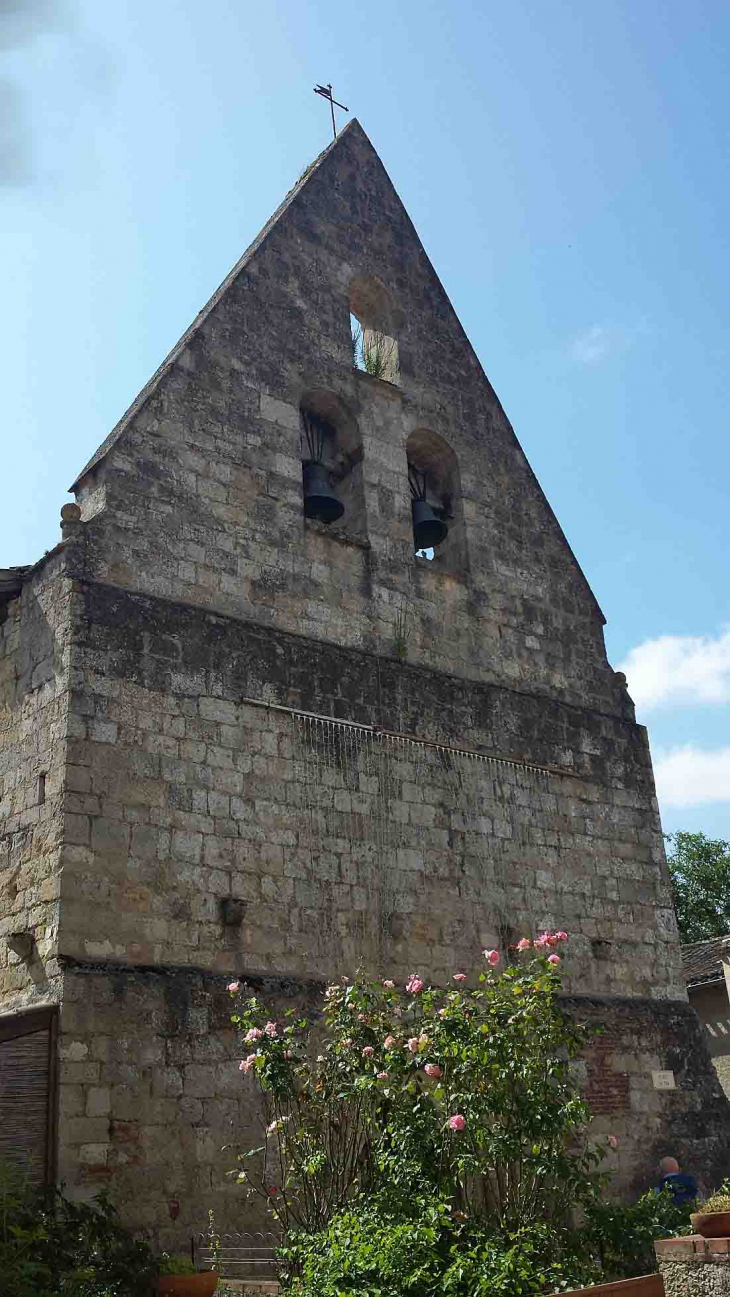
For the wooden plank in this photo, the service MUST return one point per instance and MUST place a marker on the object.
(647, 1285)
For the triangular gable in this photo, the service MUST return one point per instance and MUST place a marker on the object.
(352, 138)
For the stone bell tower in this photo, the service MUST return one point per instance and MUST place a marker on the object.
(314, 679)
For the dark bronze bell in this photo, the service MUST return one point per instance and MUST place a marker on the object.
(428, 530)
(319, 502)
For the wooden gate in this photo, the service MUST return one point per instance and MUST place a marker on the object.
(28, 1092)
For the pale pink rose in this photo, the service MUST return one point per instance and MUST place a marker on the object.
(613, 1141)
(246, 1064)
(492, 957)
(382, 1076)
(524, 943)
(254, 1033)
(413, 1044)
(423, 1039)
(389, 985)
(553, 959)
(432, 1069)
(541, 941)
(348, 1043)
(233, 987)
(270, 1029)
(368, 1051)
(442, 1013)
(331, 990)
(459, 977)
(415, 984)
(389, 1042)
(457, 1122)
(561, 936)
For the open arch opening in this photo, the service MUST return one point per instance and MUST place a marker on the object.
(373, 323)
(331, 455)
(436, 503)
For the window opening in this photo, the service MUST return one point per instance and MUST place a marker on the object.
(320, 501)
(429, 526)
(374, 352)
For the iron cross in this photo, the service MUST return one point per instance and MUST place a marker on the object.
(326, 93)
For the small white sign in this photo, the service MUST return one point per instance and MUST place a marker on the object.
(663, 1080)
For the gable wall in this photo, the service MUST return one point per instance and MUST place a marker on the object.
(202, 495)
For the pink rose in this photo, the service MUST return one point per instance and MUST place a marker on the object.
(246, 1064)
(270, 1029)
(457, 1122)
(553, 959)
(368, 1051)
(389, 985)
(389, 1042)
(561, 936)
(413, 1044)
(255, 1033)
(459, 977)
(432, 1069)
(613, 1141)
(541, 941)
(361, 1017)
(233, 987)
(348, 1043)
(492, 957)
(414, 985)
(524, 943)
(382, 1076)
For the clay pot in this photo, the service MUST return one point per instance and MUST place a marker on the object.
(188, 1285)
(711, 1224)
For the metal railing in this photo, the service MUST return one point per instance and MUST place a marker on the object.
(237, 1255)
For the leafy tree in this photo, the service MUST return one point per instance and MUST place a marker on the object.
(700, 872)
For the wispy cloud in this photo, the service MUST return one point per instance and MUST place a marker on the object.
(601, 341)
(679, 669)
(691, 776)
(591, 345)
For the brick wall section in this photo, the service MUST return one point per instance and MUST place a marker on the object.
(638, 1037)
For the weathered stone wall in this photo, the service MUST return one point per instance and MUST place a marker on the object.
(712, 1007)
(344, 845)
(152, 1103)
(637, 1038)
(34, 665)
(200, 498)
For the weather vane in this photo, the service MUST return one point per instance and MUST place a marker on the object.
(326, 93)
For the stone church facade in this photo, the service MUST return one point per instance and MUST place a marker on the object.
(239, 742)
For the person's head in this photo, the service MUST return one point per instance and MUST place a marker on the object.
(669, 1166)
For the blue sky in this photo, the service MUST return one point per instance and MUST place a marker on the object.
(565, 163)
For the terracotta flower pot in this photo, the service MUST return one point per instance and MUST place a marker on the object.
(188, 1285)
(711, 1224)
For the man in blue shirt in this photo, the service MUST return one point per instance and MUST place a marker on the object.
(683, 1188)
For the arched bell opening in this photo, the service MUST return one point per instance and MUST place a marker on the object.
(436, 506)
(331, 454)
(373, 328)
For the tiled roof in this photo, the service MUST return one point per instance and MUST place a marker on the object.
(703, 960)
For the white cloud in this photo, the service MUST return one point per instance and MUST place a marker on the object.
(679, 669)
(602, 340)
(591, 345)
(690, 776)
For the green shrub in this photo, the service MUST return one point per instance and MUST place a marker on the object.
(52, 1247)
(621, 1235)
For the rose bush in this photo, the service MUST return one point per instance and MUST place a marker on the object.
(408, 1100)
